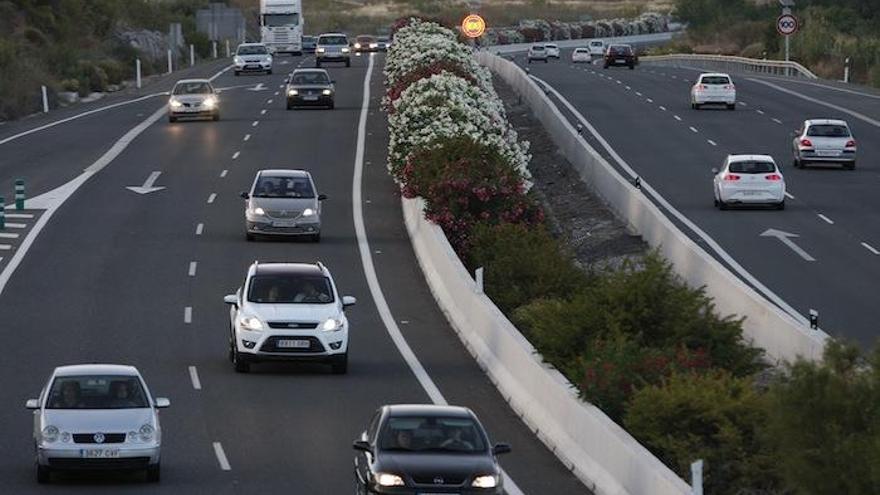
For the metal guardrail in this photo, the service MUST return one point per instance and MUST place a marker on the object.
(635, 39)
(731, 64)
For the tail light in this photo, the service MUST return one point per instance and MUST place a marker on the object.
(729, 86)
(851, 143)
(731, 177)
(701, 87)
(773, 177)
(806, 143)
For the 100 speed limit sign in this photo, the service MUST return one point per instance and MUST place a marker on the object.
(787, 24)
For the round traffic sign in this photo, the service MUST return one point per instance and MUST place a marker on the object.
(473, 26)
(787, 24)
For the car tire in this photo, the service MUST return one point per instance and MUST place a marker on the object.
(315, 237)
(546, 60)
(715, 202)
(240, 365)
(605, 66)
(44, 474)
(339, 365)
(632, 67)
(318, 64)
(237, 73)
(269, 72)
(289, 106)
(731, 106)
(348, 63)
(332, 105)
(722, 205)
(850, 166)
(172, 119)
(780, 206)
(154, 473)
(216, 117)
(695, 106)
(249, 237)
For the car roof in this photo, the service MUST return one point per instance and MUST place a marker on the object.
(332, 34)
(554, 45)
(428, 410)
(300, 71)
(305, 269)
(619, 45)
(188, 81)
(539, 46)
(825, 122)
(750, 158)
(96, 369)
(714, 74)
(284, 172)
(251, 44)
(365, 36)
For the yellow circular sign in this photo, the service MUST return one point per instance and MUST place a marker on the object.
(473, 26)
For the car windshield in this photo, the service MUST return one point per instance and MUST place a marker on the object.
(252, 50)
(383, 38)
(290, 289)
(310, 78)
(538, 48)
(278, 20)
(715, 80)
(551, 46)
(308, 39)
(365, 39)
(620, 50)
(283, 187)
(581, 50)
(596, 43)
(97, 392)
(192, 88)
(828, 130)
(432, 434)
(752, 167)
(333, 40)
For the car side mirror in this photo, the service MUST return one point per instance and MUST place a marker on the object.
(245, 195)
(501, 448)
(348, 301)
(32, 404)
(162, 403)
(362, 445)
(231, 299)
(322, 197)
(714, 170)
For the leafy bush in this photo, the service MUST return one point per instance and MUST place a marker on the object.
(715, 417)
(522, 263)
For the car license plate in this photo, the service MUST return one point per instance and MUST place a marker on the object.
(621, 60)
(99, 453)
(751, 193)
(828, 153)
(294, 344)
(310, 98)
(284, 223)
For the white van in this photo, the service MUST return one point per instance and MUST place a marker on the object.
(597, 48)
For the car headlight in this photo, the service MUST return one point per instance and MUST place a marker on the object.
(174, 103)
(345, 50)
(357, 45)
(237, 60)
(385, 479)
(146, 432)
(259, 211)
(374, 45)
(50, 434)
(319, 50)
(327, 92)
(308, 212)
(332, 325)
(250, 323)
(209, 102)
(65, 437)
(485, 481)
(292, 92)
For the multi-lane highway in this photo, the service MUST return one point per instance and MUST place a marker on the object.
(645, 116)
(120, 277)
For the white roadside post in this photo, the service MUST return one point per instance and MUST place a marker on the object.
(846, 71)
(137, 70)
(478, 274)
(45, 100)
(170, 66)
(214, 48)
(192, 55)
(227, 48)
(697, 477)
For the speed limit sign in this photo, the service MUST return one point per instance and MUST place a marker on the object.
(787, 24)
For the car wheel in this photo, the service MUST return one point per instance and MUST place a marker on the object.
(796, 163)
(269, 72)
(695, 106)
(172, 119)
(249, 237)
(289, 106)
(731, 106)
(241, 366)
(154, 472)
(715, 201)
(781, 205)
(348, 63)
(530, 61)
(605, 66)
(632, 67)
(722, 205)
(850, 166)
(215, 117)
(546, 60)
(339, 364)
(332, 105)
(318, 64)
(44, 474)
(316, 237)
(237, 73)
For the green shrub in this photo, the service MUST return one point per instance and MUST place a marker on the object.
(522, 263)
(715, 417)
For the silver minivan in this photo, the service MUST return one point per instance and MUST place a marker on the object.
(284, 203)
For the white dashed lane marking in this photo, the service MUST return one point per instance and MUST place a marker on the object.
(870, 248)
(212, 197)
(223, 173)
(662, 108)
(236, 155)
(760, 112)
(694, 129)
(188, 314)
(193, 265)
(823, 217)
(676, 117)
(789, 196)
(194, 378)
(256, 123)
(777, 121)
(263, 112)
(713, 143)
(221, 457)
(200, 228)
(247, 137)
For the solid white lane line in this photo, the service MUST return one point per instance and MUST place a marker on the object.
(370, 270)
(236, 155)
(247, 137)
(694, 129)
(823, 217)
(200, 228)
(860, 116)
(777, 121)
(789, 196)
(223, 173)
(4, 235)
(221, 457)
(188, 314)
(192, 268)
(760, 112)
(713, 143)
(676, 117)
(194, 378)
(212, 197)
(19, 215)
(263, 112)
(256, 123)
(870, 248)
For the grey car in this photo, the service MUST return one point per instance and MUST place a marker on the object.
(96, 417)
(332, 47)
(252, 57)
(310, 87)
(283, 203)
(193, 98)
(824, 141)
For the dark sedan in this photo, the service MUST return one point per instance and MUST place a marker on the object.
(365, 43)
(620, 55)
(415, 449)
(310, 87)
(309, 43)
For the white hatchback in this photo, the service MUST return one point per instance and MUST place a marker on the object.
(288, 312)
(749, 180)
(597, 48)
(581, 55)
(713, 89)
(552, 50)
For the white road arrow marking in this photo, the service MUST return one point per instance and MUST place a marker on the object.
(786, 237)
(258, 87)
(148, 187)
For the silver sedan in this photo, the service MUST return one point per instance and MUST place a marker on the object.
(824, 141)
(96, 417)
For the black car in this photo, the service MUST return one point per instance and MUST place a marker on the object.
(620, 55)
(310, 87)
(365, 43)
(309, 43)
(384, 42)
(414, 449)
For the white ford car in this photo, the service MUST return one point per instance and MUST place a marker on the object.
(96, 417)
(749, 180)
(288, 312)
(713, 89)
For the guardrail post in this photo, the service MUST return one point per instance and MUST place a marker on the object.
(697, 477)
(2, 213)
(814, 319)
(45, 100)
(846, 71)
(214, 48)
(192, 55)
(19, 194)
(137, 69)
(170, 65)
(478, 275)
(227, 49)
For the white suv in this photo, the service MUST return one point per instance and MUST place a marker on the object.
(288, 312)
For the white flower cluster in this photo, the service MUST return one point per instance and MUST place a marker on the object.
(444, 105)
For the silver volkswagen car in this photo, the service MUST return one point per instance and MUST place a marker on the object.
(824, 141)
(283, 202)
(96, 417)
